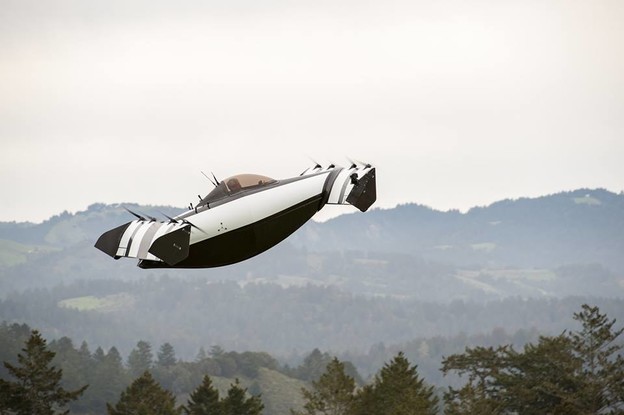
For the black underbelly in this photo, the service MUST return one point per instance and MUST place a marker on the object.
(245, 242)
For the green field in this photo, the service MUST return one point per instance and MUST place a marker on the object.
(14, 253)
(108, 303)
(528, 274)
(587, 200)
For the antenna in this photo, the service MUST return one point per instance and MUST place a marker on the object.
(209, 179)
(215, 177)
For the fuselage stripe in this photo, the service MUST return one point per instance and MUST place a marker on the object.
(132, 238)
(146, 241)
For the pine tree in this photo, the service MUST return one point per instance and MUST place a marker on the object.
(236, 402)
(332, 394)
(98, 355)
(471, 399)
(166, 356)
(108, 380)
(602, 371)
(542, 379)
(398, 390)
(313, 366)
(70, 361)
(204, 400)
(580, 372)
(482, 392)
(144, 396)
(37, 389)
(201, 355)
(140, 359)
(84, 351)
(216, 351)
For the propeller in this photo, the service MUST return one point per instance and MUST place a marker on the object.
(316, 166)
(366, 165)
(140, 217)
(186, 222)
(134, 214)
(171, 220)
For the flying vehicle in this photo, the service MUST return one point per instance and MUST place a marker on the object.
(243, 216)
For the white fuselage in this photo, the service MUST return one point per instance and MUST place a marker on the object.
(243, 216)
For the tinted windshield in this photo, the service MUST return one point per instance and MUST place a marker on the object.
(234, 184)
(244, 181)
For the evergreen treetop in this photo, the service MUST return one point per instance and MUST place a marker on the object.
(237, 403)
(204, 400)
(37, 387)
(145, 396)
(331, 394)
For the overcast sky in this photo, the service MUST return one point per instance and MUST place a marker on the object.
(458, 103)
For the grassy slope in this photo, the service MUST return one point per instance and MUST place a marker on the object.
(13, 253)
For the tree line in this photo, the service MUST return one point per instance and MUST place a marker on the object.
(108, 375)
(575, 372)
(196, 313)
(37, 390)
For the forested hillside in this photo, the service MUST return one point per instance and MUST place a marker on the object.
(583, 226)
(284, 321)
(418, 281)
(416, 273)
(559, 245)
(577, 371)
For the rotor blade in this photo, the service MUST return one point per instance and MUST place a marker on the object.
(317, 165)
(366, 165)
(172, 220)
(151, 218)
(193, 225)
(134, 214)
(141, 217)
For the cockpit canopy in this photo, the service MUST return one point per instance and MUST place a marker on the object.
(244, 181)
(235, 184)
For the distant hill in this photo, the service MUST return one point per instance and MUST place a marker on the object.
(348, 284)
(67, 229)
(569, 243)
(582, 226)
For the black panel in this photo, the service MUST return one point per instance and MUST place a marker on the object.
(109, 241)
(364, 194)
(172, 247)
(246, 242)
